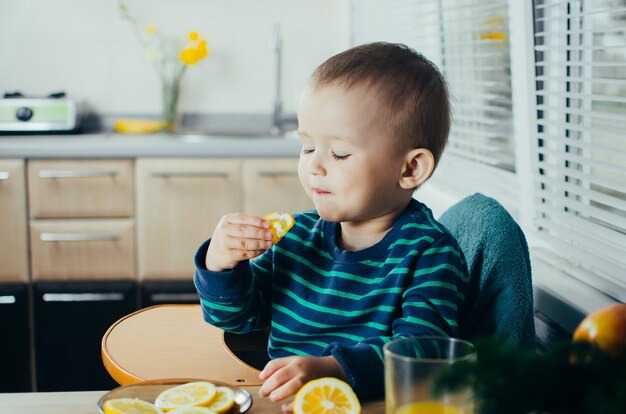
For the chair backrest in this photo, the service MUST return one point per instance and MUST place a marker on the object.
(500, 299)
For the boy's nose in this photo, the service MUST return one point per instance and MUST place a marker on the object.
(317, 164)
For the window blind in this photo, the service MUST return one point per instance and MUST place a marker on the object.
(468, 40)
(477, 66)
(580, 65)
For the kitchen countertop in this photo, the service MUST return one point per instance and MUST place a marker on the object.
(112, 145)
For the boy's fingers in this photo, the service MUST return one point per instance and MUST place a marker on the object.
(247, 231)
(247, 219)
(248, 244)
(285, 390)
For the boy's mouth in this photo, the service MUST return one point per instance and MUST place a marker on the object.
(319, 191)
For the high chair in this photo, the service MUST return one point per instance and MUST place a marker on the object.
(173, 341)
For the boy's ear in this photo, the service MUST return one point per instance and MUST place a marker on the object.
(419, 164)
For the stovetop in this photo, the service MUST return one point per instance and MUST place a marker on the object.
(37, 114)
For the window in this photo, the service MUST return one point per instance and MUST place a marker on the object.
(580, 50)
(563, 168)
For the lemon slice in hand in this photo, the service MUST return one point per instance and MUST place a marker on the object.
(191, 394)
(326, 395)
(280, 223)
(130, 405)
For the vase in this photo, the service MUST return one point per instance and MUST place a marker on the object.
(169, 111)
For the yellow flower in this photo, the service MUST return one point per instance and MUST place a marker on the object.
(194, 36)
(150, 29)
(202, 50)
(192, 54)
(189, 56)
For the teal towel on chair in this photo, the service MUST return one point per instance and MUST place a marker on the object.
(500, 298)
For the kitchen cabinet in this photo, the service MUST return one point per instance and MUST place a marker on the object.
(82, 249)
(80, 188)
(14, 299)
(70, 320)
(272, 184)
(179, 202)
(82, 238)
(105, 237)
(13, 233)
(15, 346)
(81, 219)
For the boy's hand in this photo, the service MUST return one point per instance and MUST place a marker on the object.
(237, 237)
(285, 376)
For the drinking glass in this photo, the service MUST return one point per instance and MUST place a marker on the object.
(411, 367)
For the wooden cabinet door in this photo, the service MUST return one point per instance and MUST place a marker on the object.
(80, 188)
(82, 249)
(272, 184)
(179, 202)
(13, 233)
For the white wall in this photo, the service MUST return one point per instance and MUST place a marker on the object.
(86, 49)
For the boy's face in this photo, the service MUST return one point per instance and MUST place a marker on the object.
(350, 164)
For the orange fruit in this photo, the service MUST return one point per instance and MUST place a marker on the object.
(326, 396)
(605, 328)
(280, 223)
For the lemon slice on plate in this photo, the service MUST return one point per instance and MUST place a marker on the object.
(138, 126)
(280, 223)
(224, 401)
(326, 395)
(191, 410)
(130, 405)
(191, 394)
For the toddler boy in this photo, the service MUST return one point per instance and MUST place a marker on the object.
(370, 263)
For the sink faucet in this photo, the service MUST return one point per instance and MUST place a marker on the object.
(278, 118)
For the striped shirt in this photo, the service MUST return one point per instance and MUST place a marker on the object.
(322, 300)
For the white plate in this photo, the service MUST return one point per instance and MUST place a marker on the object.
(148, 391)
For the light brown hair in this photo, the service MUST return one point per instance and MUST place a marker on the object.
(412, 92)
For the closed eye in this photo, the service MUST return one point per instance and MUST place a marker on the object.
(340, 157)
(306, 151)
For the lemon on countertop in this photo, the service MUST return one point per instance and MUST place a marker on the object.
(138, 126)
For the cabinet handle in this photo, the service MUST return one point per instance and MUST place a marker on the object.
(7, 300)
(274, 174)
(161, 297)
(4, 175)
(77, 237)
(76, 174)
(189, 174)
(83, 297)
